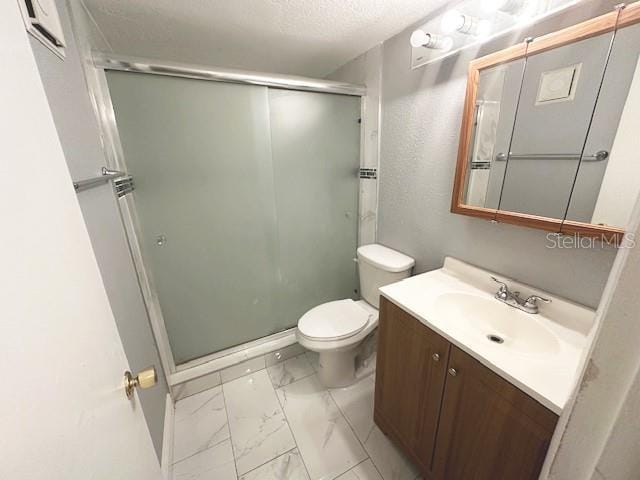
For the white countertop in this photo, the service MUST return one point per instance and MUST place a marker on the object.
(549, 377)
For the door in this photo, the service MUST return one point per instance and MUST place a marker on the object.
(63, 412)
(247, 201)
(409, 381)
(489, 430)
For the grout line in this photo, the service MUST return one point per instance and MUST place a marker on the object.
(354, 434)
(295, 440)
(226, 411)
(266, 367)
(294, 382)
(201, 451)
(272, 459)
(356, 465)
(362, 444)
(193, 412)
(278, 387)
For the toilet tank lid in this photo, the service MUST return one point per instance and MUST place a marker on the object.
(385, 258)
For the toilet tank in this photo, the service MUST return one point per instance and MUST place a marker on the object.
(379, 266)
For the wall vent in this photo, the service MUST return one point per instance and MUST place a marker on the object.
(42, 21)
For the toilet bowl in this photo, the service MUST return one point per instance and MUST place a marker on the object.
(337, 329)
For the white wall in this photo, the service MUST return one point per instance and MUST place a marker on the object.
(609, 387)
(63, 413)
(620, 182)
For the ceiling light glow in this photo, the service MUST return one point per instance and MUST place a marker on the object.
(512, 7)
(452, 21)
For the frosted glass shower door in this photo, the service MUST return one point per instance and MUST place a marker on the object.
(200, 155)
(246, 199)
(316, 156)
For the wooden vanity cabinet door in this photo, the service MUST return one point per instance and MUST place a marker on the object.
(409, 382)
(489, 429)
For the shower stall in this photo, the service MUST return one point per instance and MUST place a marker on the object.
(245, 208)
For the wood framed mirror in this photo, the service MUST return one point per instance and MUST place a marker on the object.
(549, 136)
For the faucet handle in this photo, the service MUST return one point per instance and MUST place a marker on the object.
(503, 286)
(532, 300)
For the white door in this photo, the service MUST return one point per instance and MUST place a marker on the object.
(63, 412)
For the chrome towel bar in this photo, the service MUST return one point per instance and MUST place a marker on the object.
(106, 176)
(597, 157)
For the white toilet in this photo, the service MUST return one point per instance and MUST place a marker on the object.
(336, 329)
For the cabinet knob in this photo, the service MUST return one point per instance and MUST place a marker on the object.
(436, 357)
(453, 372)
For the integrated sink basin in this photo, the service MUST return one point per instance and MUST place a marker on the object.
(498, 324)
(540, 353)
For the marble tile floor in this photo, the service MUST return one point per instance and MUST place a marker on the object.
(280, 423)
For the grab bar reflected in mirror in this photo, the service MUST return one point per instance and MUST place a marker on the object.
(597, 157)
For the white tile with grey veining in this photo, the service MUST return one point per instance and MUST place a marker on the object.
(363, 471)
(314, 359)
(197, 385)
(366, 367)
(390, 462)
(259, 430)
(243, 368)
(356, 403)
(283, 354)
(326, 442)
(214, 463)
(286, 467)
(200, 423)
(290, 370)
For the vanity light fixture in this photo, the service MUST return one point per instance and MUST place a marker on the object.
(472, 22)
(420, 38)
(454, 20)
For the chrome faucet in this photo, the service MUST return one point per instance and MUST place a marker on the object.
(528, 305)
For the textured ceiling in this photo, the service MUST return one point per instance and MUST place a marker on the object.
(303, 37)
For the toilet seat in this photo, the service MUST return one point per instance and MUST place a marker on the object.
(334, 321)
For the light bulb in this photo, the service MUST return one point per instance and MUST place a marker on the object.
(419, 38)
(452, 20)
(484, 28)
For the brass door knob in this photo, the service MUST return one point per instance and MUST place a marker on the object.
(145, 379)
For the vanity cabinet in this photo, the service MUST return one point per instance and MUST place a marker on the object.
(409, 381)
(455, 418)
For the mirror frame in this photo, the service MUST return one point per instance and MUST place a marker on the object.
(609, 22)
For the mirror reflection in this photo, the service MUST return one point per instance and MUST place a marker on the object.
(605, 191)
(552, 134)
(495, 112)
(559, 92)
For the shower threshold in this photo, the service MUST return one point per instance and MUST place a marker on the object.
(232, 356)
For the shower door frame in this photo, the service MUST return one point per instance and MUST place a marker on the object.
(100, 94)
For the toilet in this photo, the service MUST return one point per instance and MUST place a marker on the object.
(336, 329)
